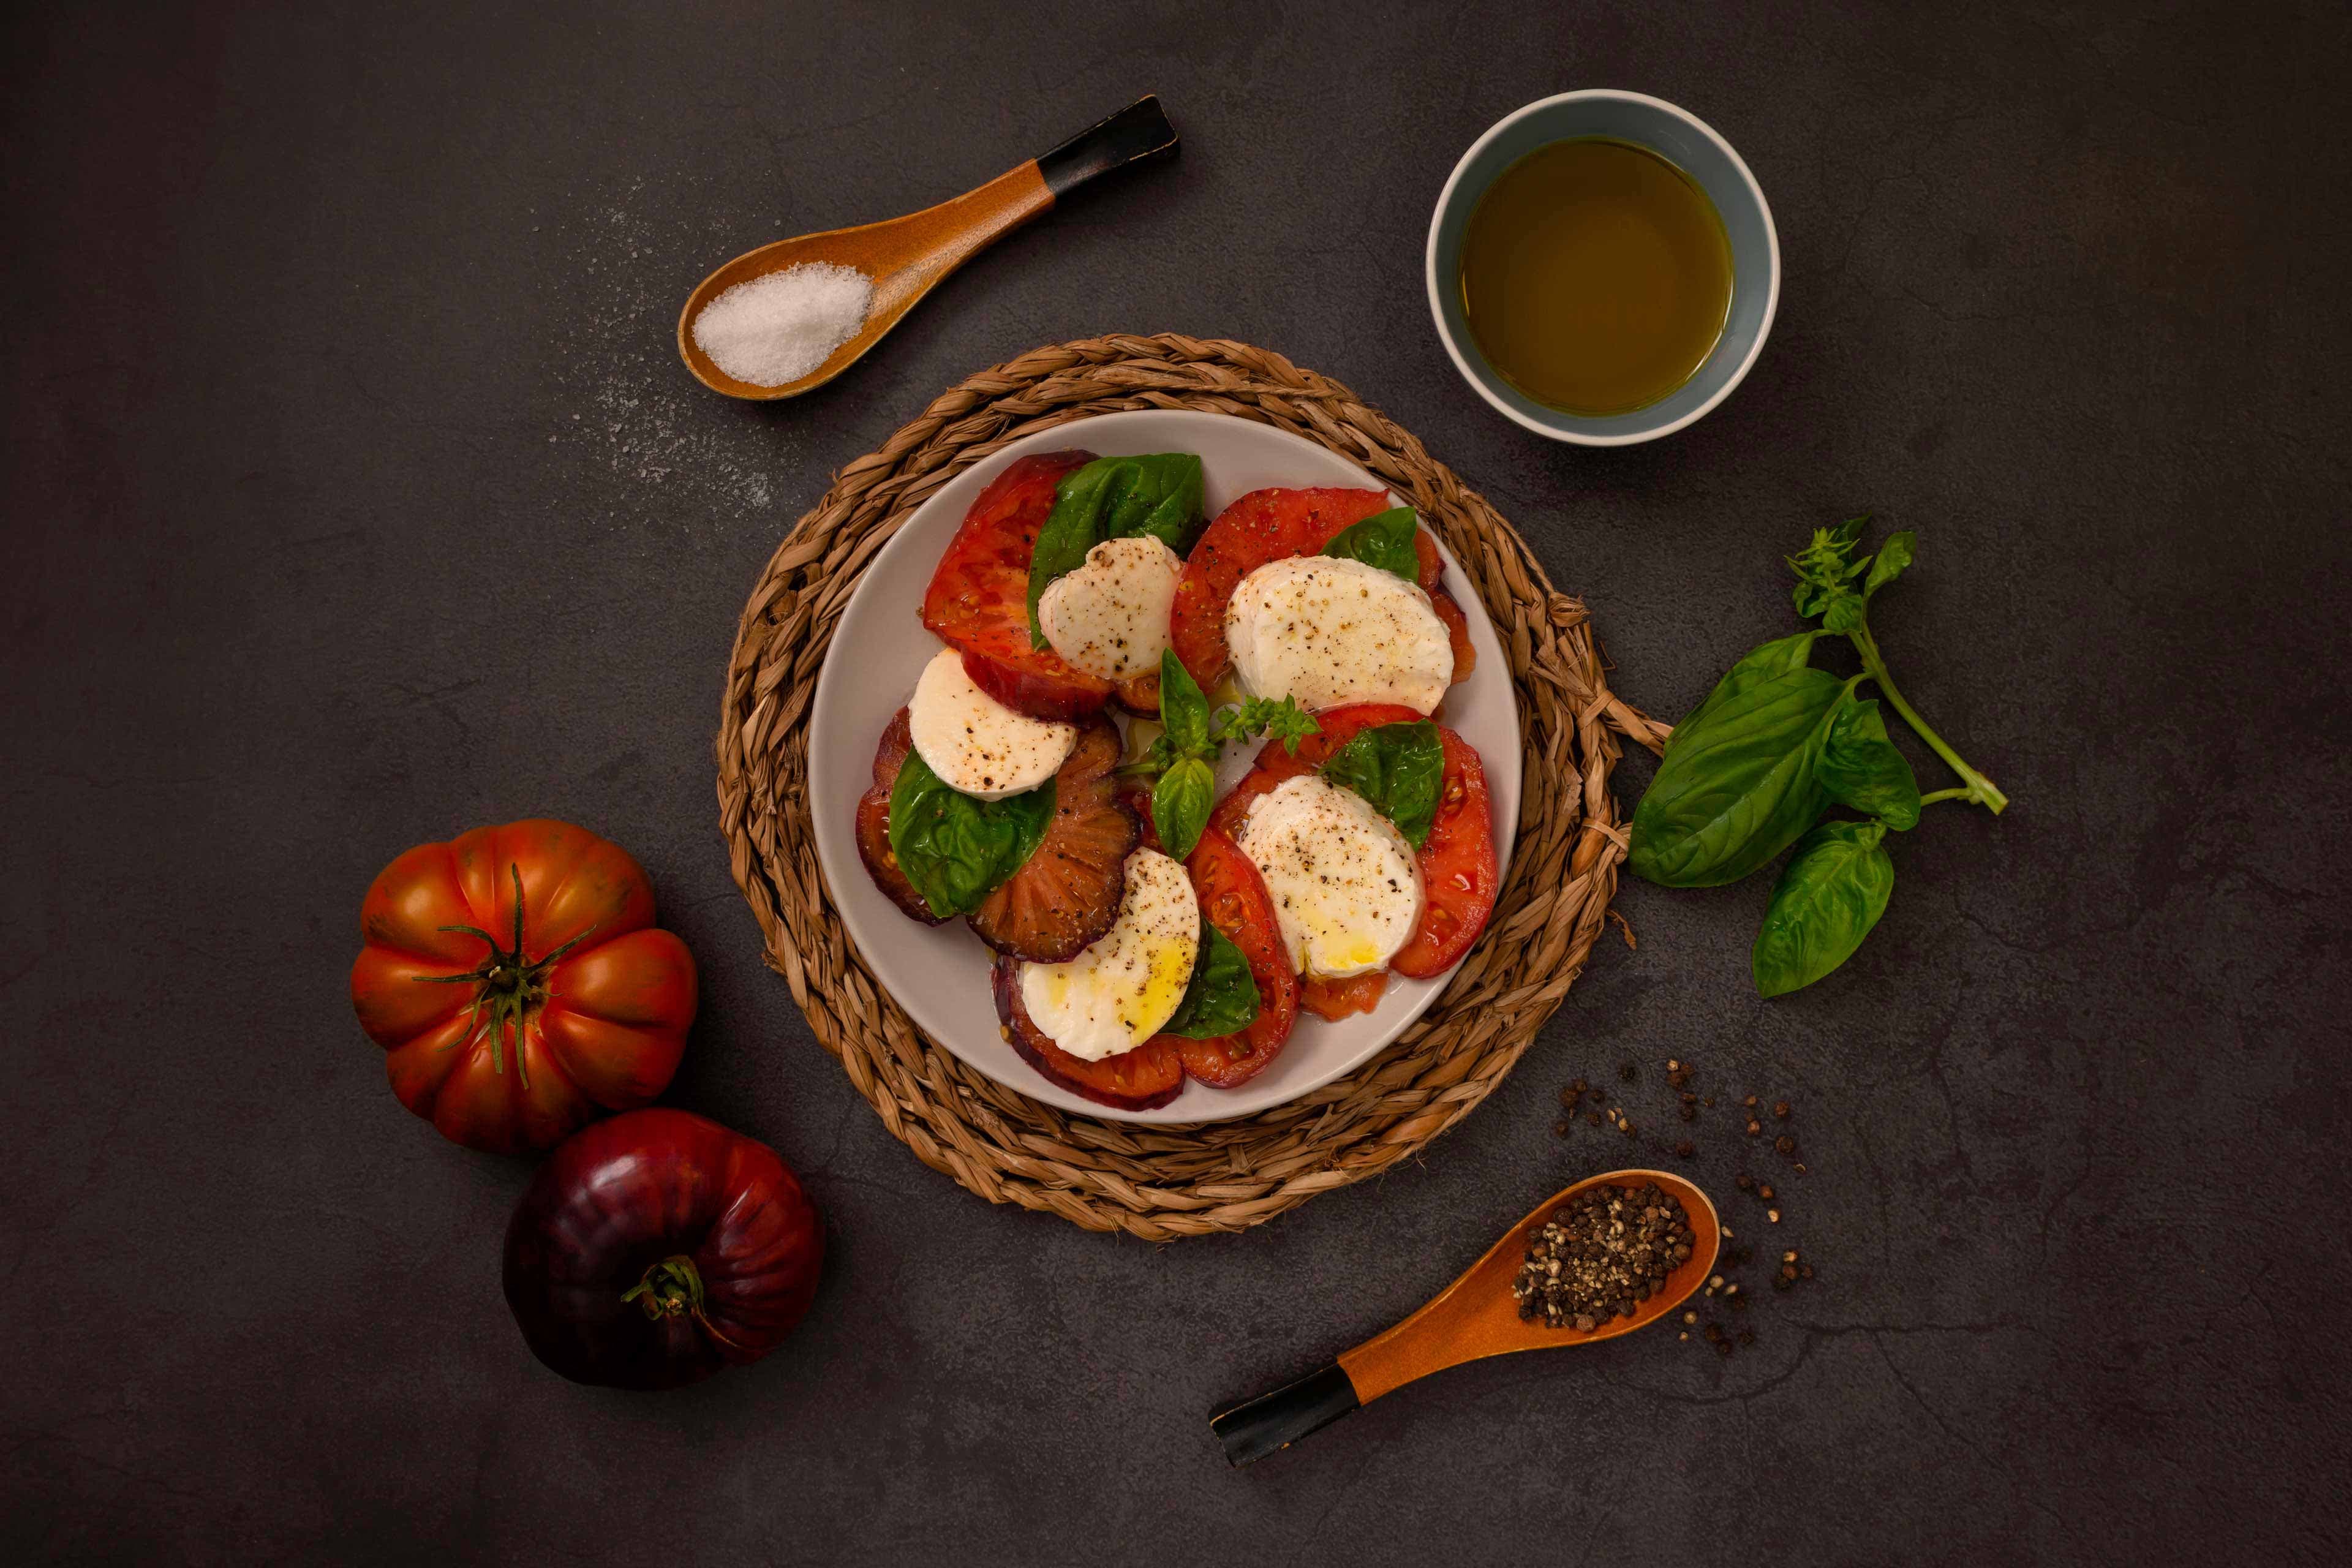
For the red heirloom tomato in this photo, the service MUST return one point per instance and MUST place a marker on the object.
(654, 1250)
(978, 602)
(518, 987)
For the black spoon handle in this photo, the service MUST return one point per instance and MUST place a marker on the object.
(1253, 1430)
(1138, 131)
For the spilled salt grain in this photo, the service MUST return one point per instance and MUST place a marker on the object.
(780, 326)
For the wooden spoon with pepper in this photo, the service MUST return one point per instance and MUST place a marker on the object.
(1473, 1318)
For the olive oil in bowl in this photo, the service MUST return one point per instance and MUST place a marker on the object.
(1596, 276)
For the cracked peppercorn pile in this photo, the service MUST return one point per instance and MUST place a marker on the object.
(1602, 1254)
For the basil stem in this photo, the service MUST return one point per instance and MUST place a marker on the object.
(1980, 791)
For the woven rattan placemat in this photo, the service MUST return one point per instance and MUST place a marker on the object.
(1160, 1182)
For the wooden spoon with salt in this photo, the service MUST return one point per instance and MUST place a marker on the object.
(907, 256)
(1473, 1318)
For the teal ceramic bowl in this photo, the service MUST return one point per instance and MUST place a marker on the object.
(1686, 141)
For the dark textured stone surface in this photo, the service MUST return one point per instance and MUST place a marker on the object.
(353, 495)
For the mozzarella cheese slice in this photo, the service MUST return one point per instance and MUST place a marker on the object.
(1115, 995)
(1110, 616)
(1346, 884)
(1329, 631)
(976, 743)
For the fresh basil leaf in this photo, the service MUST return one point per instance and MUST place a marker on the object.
(1383, 540)
(1157, 494)
(956, 848)
(1183, 708)
(1071, 528)
(1861, 768)
(1222, 996)
(1740, 785)
(1832, 892)
(1397, 768)
(1893, 557)
(1775, 657)
(1181, 802)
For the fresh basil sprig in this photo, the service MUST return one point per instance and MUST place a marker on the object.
(1182, 761)
(1775, 744)
(1383, 540)
(1222, 996)
(1157, 494)
(957, 848)
(1397, 768)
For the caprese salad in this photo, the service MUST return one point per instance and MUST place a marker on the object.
(1145, 930)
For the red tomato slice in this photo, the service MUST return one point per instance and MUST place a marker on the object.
(1266, 525)
(1139, 693)
(1233, 899)
(1457, 867)
(1457, 861)
(1137, 794)
(1262, 526)
(1230, 811)
(1457, 631)
(1067, 893)
(979, 597)
(1144, 1078)
(874, 824)
(1334, 999)
(1432, 568)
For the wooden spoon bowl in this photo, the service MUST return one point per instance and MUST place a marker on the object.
(1472, 1319)
(906, 258)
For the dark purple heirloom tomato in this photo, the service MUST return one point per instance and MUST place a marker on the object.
(656, 1247)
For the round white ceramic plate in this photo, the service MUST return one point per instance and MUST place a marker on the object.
(939, 973)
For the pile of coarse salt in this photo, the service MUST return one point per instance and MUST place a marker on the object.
(780, 326)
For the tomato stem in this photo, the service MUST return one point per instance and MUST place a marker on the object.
(510, 986)
(673, 1288)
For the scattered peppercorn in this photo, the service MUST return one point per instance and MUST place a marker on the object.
(1785, 1144)
(1780, 1111)
(1686, 1148)
(1629, 1072)
(1746, 1183)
